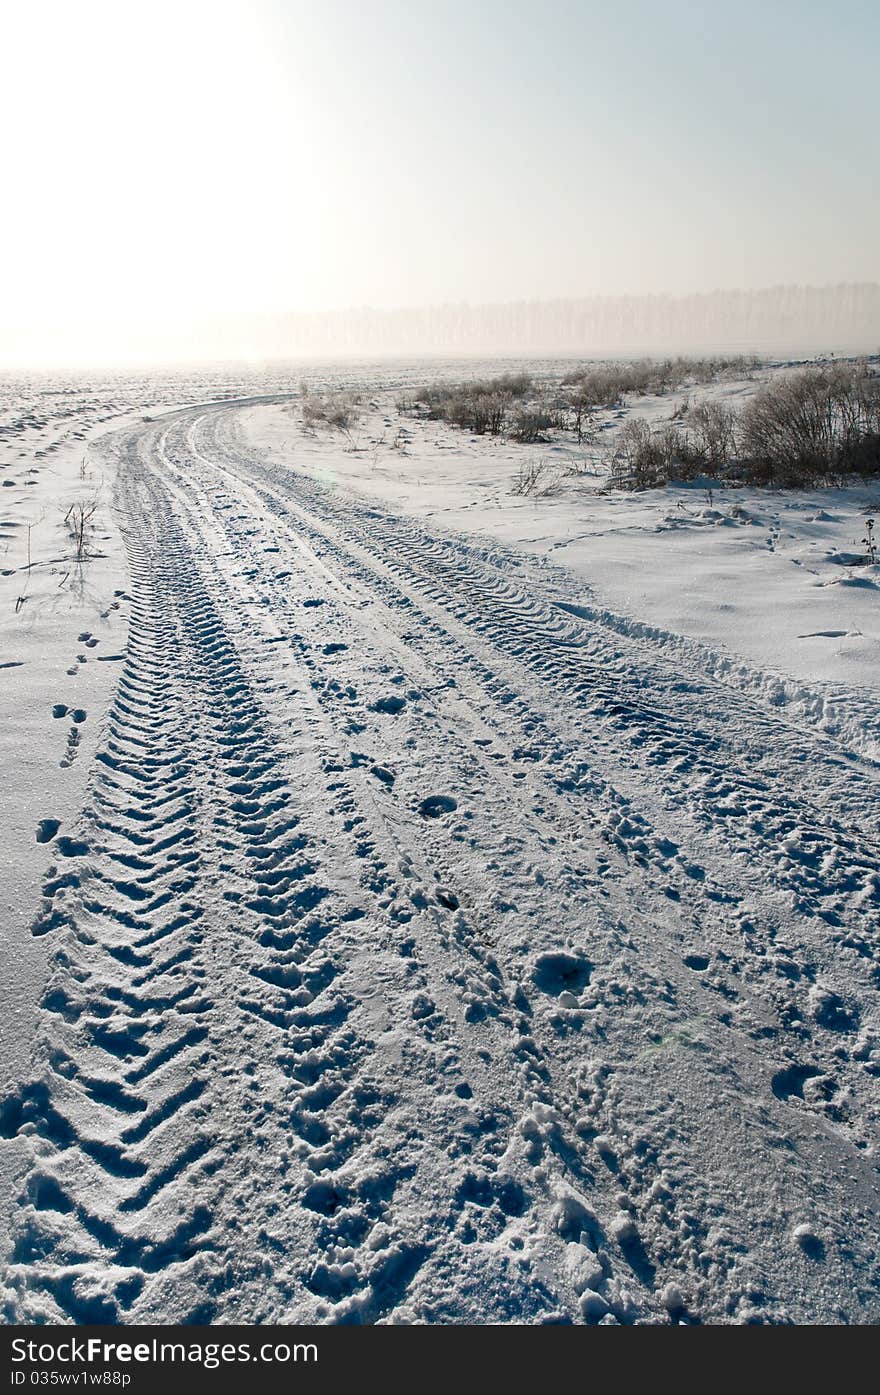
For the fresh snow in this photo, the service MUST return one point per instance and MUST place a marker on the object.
(423, 903)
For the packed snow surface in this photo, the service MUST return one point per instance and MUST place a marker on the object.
(424, 903)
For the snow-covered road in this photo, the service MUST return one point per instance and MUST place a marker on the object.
(435, 946)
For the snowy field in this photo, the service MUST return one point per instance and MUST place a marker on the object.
(421, 901)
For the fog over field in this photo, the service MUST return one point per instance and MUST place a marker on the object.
(799, 320)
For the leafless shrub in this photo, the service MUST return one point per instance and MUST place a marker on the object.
(23, 596)
(531, 424)
(608, 385)
(637, 461)
(711, 437)
(813, 427)
(644, 459)
(400, 441)
(483, 412)
(515, 405)
(78, 521)
(807, 429)
(513, 384)
(583, 416)
(482, 406)
(337, 411)
(601, 387)
(536, 478)
(582, 469)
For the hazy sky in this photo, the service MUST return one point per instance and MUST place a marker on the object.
(174, 162)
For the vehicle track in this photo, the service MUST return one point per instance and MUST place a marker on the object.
(428, 950)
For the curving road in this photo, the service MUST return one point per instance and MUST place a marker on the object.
(437, 947)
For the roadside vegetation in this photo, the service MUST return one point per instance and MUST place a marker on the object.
(335, 411)
(523, 409)
(488, 406)
(612, 385)
(815, 427)
(812, 426)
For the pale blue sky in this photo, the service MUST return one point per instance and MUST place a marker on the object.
(194, 159)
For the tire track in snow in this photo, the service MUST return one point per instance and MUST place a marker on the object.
(462, 962)
(198, 951)
(734, 976)
(150, 1077)
(318, 1044)
(728, 787)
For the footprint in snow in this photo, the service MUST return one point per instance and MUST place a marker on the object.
(71, 847)
(437, 804)
(560, 971)
(805, 1237)
(698, 962)
(391, 705)
(46, 830)
(830, 1011)
(78, 716)
(791, 1081)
